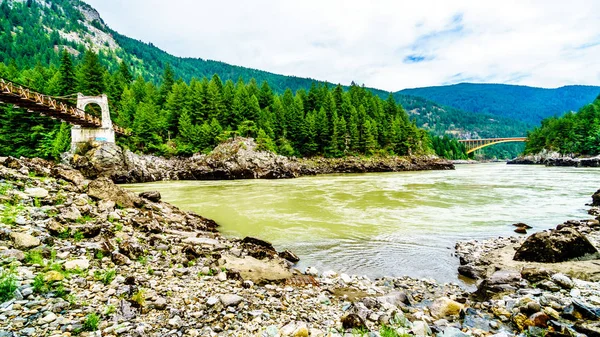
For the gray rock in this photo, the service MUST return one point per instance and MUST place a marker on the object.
(563, 280)
(12, 254)
(81, 264)
(230, 299)
(36, 192)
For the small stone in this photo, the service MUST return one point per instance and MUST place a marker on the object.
(51, 317)
(420, 328)
(81, 264)
(222, 277)
(444, 307)
(53, 276)
(248, 284)
(12, 254)
(36, 192)
(120, 259)
(175, 322)
(24, 240)
(231, 299)
(539, 319)
(301, 331)
(563, 281)
(312, 271)
(345, 278)
(212, 301)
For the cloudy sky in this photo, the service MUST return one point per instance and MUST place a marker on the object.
(389, 45)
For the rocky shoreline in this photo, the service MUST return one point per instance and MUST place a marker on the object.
(556, 159)
(85, 257)
(235, 159)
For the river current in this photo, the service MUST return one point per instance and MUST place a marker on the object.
(390, 224)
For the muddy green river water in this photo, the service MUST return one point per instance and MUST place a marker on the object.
(388, 223)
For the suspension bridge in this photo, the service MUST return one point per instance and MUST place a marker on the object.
(473, 145)
(86, 127)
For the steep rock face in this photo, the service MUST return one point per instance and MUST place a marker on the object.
(553, 246)
(239, 159)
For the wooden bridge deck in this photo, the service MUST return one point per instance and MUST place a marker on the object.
(33, 101)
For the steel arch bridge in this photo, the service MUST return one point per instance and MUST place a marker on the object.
(473, 145)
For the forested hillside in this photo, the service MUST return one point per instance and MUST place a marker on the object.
(521, 103)
(574, 133)
(180, 118)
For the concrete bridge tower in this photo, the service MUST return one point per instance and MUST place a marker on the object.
(105, 133)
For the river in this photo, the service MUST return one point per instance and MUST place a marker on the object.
(390, 224)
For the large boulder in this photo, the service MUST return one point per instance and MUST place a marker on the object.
(596, 198)
(105, 189)
(555, 246)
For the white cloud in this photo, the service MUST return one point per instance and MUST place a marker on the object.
(538, 43)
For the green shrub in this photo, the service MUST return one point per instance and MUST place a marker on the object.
(34, 257)
(91, 322)
(107, 277)
(8, 284)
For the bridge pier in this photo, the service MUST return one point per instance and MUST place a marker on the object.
(105, 133)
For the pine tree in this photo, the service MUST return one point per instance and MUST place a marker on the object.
(91, 75)
(125, 73)
(67, 83)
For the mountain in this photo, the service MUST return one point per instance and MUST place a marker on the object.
(522, 103)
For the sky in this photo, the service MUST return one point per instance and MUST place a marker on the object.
(388, 45)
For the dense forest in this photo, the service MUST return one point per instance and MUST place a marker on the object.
(180, 118)
(574, 133)
(520, 103)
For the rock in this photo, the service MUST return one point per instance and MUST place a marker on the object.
(444, 307)
(420, 328)
(288, 255)
(301, 331)
(120, 259)
(105, 189)
(452, 332)
(153, 196)
(52, 276)
(501, 281)
(175, 322)
(81, 264)
(12, 254)
(555, 246)
(563, 280)
(586, 310)
(539, 319)
(587, 329)
(55, 228)
(534, 274)
(230, 300)
(212, 301)
(521, 230)
(522, 225)
(24, 240)
(71, 213)
(69, 175)
(50, 317)
(36, 192)
(131, 249)
(596, 198)
(353, 321)
(312, 271)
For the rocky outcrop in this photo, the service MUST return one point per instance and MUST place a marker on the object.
(549, 158)
(553, 246)
(236, 158)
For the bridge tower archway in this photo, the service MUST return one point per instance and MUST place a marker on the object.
(104, 133)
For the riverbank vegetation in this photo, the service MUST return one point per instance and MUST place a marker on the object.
(574, 133)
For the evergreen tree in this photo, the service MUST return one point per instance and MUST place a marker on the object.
(91, 75)
(67, 83)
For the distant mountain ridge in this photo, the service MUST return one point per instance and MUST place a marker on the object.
(522, 103)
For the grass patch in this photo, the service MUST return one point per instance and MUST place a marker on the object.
(139, 298)
(34, 257)
(91, 322)
(4, 188)
(77, 236)
(84, 219)
(8, 284)
(107, 277)
(388, 331)
(10, 213)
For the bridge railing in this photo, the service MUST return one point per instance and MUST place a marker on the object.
(43, 102)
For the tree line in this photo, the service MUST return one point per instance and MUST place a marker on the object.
(180, 118)
(573, 133)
